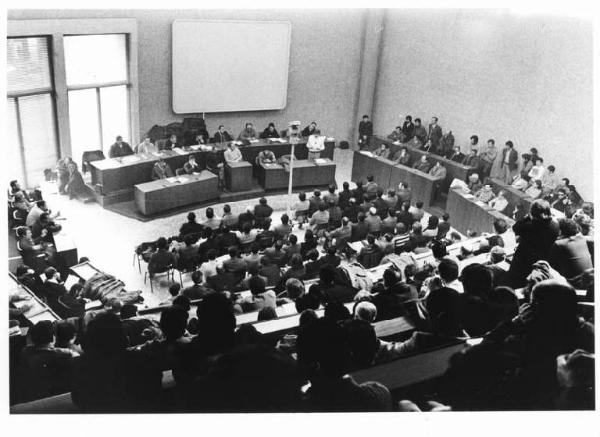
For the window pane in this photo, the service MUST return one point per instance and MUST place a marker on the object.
(94, 59)
(83, 122)
(39, 136)
(15, 167)
(27, 64)
(115, 116)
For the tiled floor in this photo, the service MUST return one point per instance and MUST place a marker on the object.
(109, 239)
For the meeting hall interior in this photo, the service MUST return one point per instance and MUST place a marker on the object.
(299, 211)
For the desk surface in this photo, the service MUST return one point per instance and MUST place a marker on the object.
(175, 181)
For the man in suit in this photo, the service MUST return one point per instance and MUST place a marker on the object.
(191, 166)
(438, 171)
(487, 158)
(262, 212)
(435, 133)
(456, 155)
(397, 135)
(161, 170)
(383, 151)
(365, 132)
(120, 148)
(221, 135)
(408, 128)
(248, 133)
(172, 143)
(53, 288)
(270, 132)
(422, 165)
(509, 163)
(472, 159)
(402, 157)
(311, 129)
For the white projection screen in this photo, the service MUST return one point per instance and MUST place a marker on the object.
(227, 66)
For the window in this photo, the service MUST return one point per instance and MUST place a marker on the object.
(32, 140)
(97, 83)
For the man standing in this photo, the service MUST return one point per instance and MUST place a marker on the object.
(408, 128)
(420, 133)
(120, 148)
(435, 133)
(365, 132)
(509, 163)
(487, 157)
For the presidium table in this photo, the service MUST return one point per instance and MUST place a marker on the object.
(113, 175)
(164, 194)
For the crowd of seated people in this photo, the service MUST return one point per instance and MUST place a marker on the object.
(113, 360)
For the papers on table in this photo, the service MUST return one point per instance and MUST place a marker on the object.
(367, 153)
(179, 151)
(196, 147)
(130, 159)
(329, 139)
(320, 161)
(71, 280)
(254, 141)
(278, 140)
(84, 270)
(356, 245)
(93, 304)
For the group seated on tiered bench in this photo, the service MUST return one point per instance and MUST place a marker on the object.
(271, 323)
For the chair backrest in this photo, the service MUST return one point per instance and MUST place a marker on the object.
(90, 156)
(179, 171)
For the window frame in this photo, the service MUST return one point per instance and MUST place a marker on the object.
(51, 90)
(56, 30)
(98, 86)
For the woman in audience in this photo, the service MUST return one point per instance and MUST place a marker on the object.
(301, 209)
(62, 167)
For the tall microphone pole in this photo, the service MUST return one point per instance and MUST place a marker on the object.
(289, 206)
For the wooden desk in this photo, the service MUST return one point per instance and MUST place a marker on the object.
(156, 196)
(387, 175)
(115, 174)
(238, 176)
(467, 214)
(66, 251)
(306, 173)
(39, 310)
(454, 170)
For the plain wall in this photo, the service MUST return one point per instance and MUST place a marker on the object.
(323, 73)
(528, 79)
